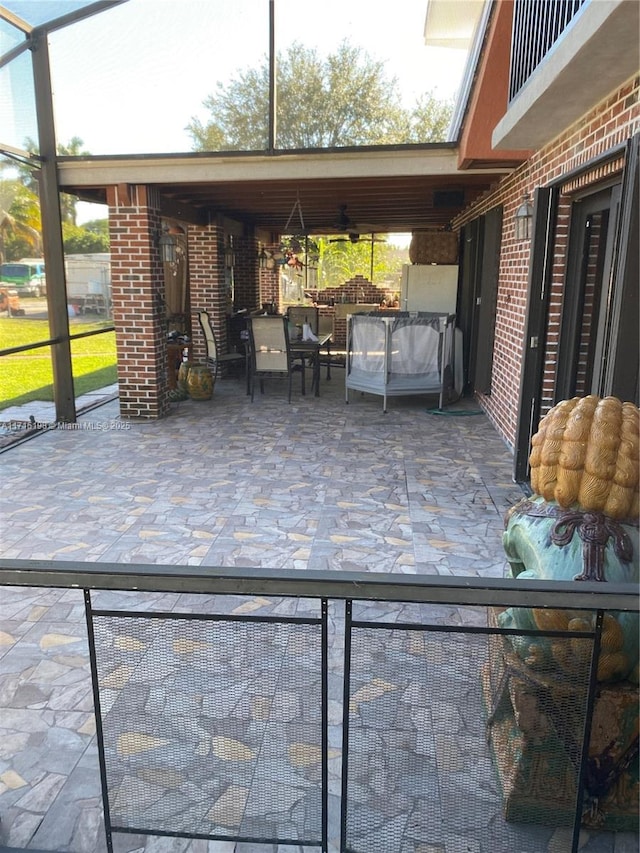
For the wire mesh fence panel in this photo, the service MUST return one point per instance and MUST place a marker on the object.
(454, 727)
(457, 739)
(212, 728)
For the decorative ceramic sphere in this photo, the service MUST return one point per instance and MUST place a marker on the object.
(586, 452)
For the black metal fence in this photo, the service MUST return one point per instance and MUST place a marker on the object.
(202, 720)
(353, 712)
(537, 26)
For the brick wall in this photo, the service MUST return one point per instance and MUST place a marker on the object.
(269, 290)
(208, 278)
(357, 289)
(247, 289)
(206, 284)
(137, 281)
(138, 295)
(608, 125)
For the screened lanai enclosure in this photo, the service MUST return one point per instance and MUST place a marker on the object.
(183, 657)
(274, 119)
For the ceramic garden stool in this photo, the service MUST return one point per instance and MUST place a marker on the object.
(580, 524)
(200, 382)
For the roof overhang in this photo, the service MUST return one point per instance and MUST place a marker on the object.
(452, 25)
(487, 101)
(483, 29)
(384, 190)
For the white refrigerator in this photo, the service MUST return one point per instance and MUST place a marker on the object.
(429, 287)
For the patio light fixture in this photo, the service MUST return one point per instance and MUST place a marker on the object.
(167, 243)
(229, 254)
(524, 218)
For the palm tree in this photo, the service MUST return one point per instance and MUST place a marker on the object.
(19, 219)
(73, 148)
(68, 203)
(10, 226)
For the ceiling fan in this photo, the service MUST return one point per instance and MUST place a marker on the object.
(344, 223)
(354, 237)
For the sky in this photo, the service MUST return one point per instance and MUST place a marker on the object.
(130, 79)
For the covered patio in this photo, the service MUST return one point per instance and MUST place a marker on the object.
(315, 485)
(229, 491)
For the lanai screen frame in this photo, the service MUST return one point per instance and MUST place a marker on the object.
(36, 40)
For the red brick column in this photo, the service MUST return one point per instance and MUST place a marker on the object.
(207, 277)
(206, 282)
(138, 305)
(247, 285)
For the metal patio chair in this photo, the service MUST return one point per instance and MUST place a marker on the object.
(270, 353)
(214, 357)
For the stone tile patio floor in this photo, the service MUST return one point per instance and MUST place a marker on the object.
(316, 484)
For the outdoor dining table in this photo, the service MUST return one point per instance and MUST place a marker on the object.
(302, 348)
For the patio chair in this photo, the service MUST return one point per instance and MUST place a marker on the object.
(270, 354)
(301, 314)
(214, 357)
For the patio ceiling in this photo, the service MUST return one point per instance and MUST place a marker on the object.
(373, 204)
(384, 191)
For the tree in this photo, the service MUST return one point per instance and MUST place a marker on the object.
(99, 227)
(430, 119)
(81, 240)
(342, 100)
(343, 260)
(68, 203)
(29, 177)
(20, 222)
(20, 225)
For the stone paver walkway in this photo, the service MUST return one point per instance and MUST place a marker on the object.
(316, 484)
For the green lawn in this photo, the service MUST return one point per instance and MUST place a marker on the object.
(28, 375)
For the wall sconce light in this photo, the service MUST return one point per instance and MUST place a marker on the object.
(229, 254)
(263, 257)
(167, 244)
(524, 219)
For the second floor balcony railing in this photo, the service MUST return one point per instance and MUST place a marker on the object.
(537, 27)
(359, 712)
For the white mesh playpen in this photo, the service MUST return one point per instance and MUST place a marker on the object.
(400, 354)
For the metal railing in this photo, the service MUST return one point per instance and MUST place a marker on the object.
(345, 711)
(536, 28)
